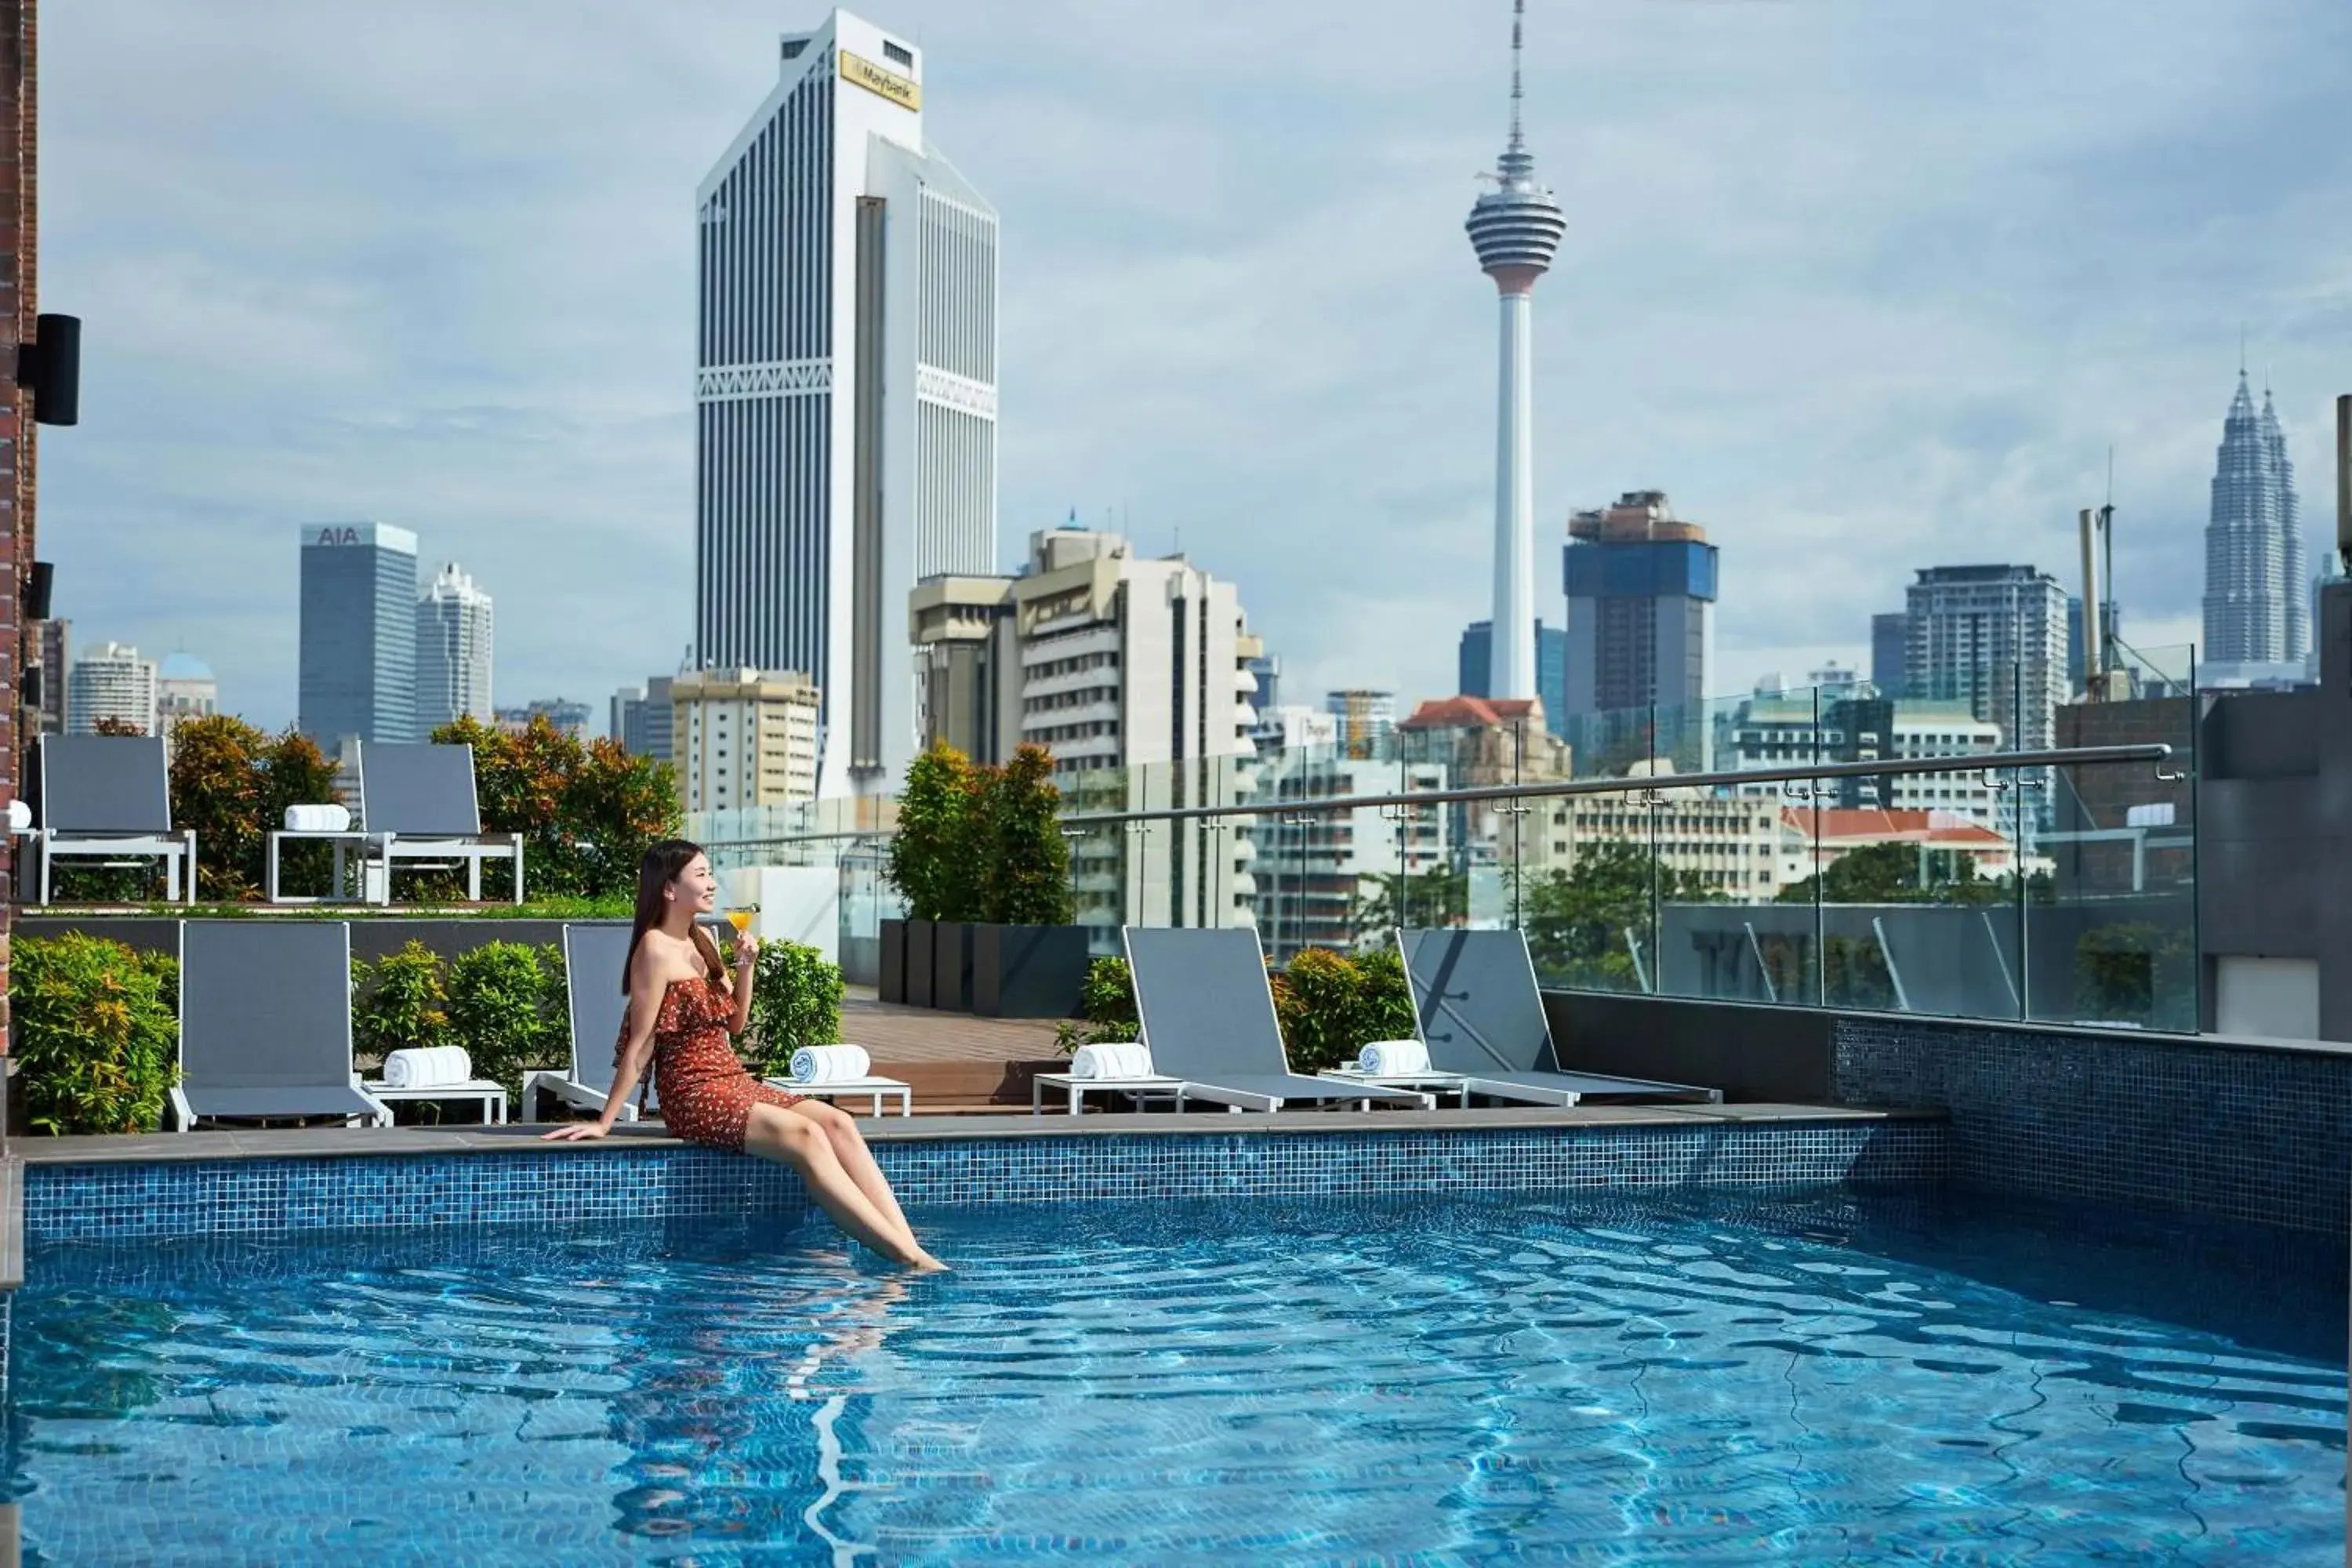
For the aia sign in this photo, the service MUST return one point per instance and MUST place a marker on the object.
(338, 536)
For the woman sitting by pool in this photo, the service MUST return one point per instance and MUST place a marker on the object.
(681, 1011)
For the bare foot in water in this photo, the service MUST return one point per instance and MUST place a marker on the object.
(924, 1263)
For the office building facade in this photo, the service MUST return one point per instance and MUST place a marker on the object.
(640, 719)
(185, 690)
(1134, 673)
(1640, 608)
(452, 651)
(845, 389)
(1366, 719)
(1890, 651)
(744, 738)
(112, 682)
(1473, 667)
(358, 675)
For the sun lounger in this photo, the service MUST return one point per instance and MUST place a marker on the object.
(593, 957)
(1481, 1014)
(417, 803)
(1208, 1014)
(266, 1024)
(109, 797)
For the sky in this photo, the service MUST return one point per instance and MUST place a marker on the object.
(1864, 285)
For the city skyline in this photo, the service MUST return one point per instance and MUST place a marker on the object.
(1750, 248)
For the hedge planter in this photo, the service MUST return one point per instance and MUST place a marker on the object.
(951, 966)
(1028, 971)
(890, 984)
(920, 934)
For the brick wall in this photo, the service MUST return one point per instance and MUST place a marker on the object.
(20, 251)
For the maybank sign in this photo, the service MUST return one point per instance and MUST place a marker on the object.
(904, 91)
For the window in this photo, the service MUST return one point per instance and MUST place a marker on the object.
(897, 54)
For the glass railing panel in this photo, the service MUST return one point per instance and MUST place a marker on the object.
(1917, 907)
(2111, 924)
(1725, 930)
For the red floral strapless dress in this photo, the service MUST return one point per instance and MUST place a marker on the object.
(706, 1095)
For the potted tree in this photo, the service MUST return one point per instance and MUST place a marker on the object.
(930, 865)
(1027, 960)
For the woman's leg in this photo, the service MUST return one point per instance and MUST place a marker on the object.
(773, 1134)
(857, 1160)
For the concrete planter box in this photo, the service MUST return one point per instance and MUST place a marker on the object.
(1028, 971)
(890, 983)
(951, 966)
(921, 936)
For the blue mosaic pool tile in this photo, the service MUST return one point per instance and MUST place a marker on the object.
(207, 1197)
(2249, 1134)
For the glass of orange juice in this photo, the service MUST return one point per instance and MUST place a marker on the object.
(741, 919)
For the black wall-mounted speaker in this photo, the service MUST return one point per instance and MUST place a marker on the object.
(36, 591)
(50, 368)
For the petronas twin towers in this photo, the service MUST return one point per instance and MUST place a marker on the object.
(2257, 587)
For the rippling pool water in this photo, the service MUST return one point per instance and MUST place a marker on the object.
(1816, 1379)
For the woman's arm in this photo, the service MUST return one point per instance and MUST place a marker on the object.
(747, 966)
(644, 1010)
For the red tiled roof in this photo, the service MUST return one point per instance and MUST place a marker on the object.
(1893, 827)
(1465, 712)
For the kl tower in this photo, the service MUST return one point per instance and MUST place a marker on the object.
(1517, 228)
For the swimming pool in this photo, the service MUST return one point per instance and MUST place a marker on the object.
(1812, 1377)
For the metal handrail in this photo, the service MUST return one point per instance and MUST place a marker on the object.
(2076, 756)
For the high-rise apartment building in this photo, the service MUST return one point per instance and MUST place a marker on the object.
(1993, 638)
(744, 738)
(358, 634)
(1473, 667)
(845, 389)
(1135, 674)
(185, 690)
(57, 675)
(452, 651)
(1641, 606)
(1515, 228)
(1366, 719)
(641, 717)
(111, 681)
(2257, 611)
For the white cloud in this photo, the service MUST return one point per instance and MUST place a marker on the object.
(1867, 285)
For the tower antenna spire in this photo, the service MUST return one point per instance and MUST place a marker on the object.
(1518, 16)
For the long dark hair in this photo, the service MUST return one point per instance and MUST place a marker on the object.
(663, 864)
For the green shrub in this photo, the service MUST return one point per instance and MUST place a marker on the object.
(1319, 1004)
(96, 1032)
(1106, 1008)
(401, 1002)
(1384, 999)
(795, 1000)
(499, 1009)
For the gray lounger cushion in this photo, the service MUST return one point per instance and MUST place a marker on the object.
(1208, 1015)
(419, 791)
(266, 1019)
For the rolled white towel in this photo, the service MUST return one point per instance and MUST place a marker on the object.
(317, 819)
(20, 817)
(427, 1067)
(1112, 1058)
(1394, 1057)
(830, 1064)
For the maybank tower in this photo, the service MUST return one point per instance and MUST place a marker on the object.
(844, 390)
